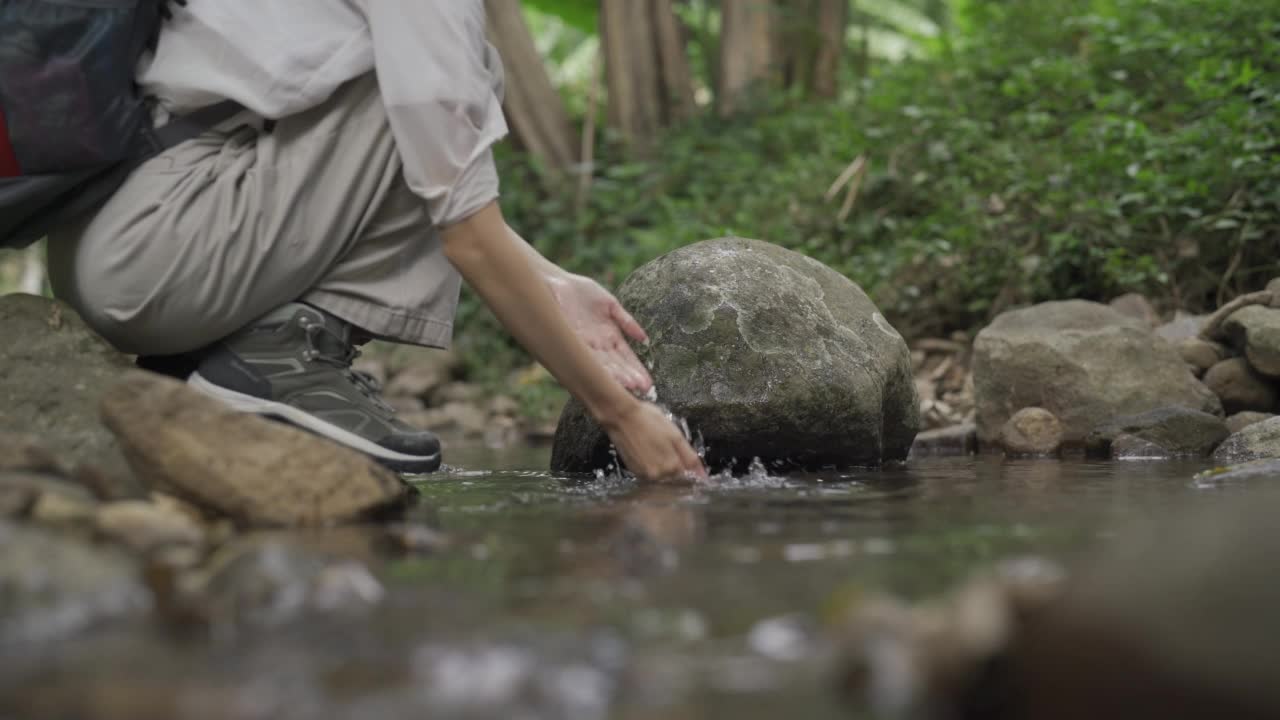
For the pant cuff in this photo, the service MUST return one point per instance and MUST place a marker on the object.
(386, 323)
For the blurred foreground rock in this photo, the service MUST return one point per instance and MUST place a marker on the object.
(253, 470)
(768, 354)
(53, 584)
(1175, 619)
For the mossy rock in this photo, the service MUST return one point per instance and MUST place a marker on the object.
(768, 354)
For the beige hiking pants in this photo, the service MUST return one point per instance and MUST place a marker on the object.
(223, 229)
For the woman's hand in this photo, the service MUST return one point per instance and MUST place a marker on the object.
(652, 447)
(599, 319)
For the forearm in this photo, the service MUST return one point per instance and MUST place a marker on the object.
(511, 277)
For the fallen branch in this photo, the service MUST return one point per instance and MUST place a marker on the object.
(1212, 329)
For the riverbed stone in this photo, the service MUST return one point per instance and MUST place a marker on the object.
(1082, 361)
(245, 467)
(1031, 431)
(1137, 307)
(53, 372)
(1240, 387)
(1182, 326)
(1177, 431)
(145, 526)
(1256, 330)
(1256, 442)
(1267, 470)
(53, 584)
(1242, 420)
(1202, 354)
(767, 353)
(948, 441)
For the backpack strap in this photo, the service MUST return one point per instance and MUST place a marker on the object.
(182, 128)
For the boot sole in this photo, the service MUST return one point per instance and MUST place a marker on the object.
(400, 462)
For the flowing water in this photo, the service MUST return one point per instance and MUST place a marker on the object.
(586, 598)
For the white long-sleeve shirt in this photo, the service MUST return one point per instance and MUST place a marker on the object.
(440, 80)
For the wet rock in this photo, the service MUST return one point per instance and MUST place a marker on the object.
(1137, 307)
(768, 354)
(1256, 329)
(1173, 431)
(1082, 361)
(1202, 354)
(253, 470)
(1266, 470)
(54, 372)
(267, 581)
(53, 585)
(955, 440)
(1182, 326)
(146, 526)
(1132, 447)
(1239, 387)
(1256, 442)
(1242, 420)
(416, 539)
(417, 381)
(1031, 431)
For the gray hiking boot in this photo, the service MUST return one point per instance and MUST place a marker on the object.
(295, 365)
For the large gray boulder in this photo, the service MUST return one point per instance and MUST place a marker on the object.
(766, 353)
(1082, 361)
(53, 371)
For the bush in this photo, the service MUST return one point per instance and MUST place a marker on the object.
(1049, 149)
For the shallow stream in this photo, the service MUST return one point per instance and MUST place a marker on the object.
(595, 598)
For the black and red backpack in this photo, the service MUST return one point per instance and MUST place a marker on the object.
(72, 121)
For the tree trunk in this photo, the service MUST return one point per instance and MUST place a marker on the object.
(535, 111)
(747, 40)
(646, 68)
(832, 17)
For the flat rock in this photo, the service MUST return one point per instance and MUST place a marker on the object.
(1257, 442)
(1256, 330)
(25, 494)
(1082, 361)
(767, 353)
(1176, 431)
(949, 441)
(1242, 420)
(53, 585)
(1031, 431)
(53, 372)
(253, 470)
(1240, 387)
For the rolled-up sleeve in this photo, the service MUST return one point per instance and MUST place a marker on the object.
(442, 85)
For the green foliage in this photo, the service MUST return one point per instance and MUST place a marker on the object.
(581, 14)
(1048, 149)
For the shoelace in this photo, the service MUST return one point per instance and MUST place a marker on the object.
(364, 382)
